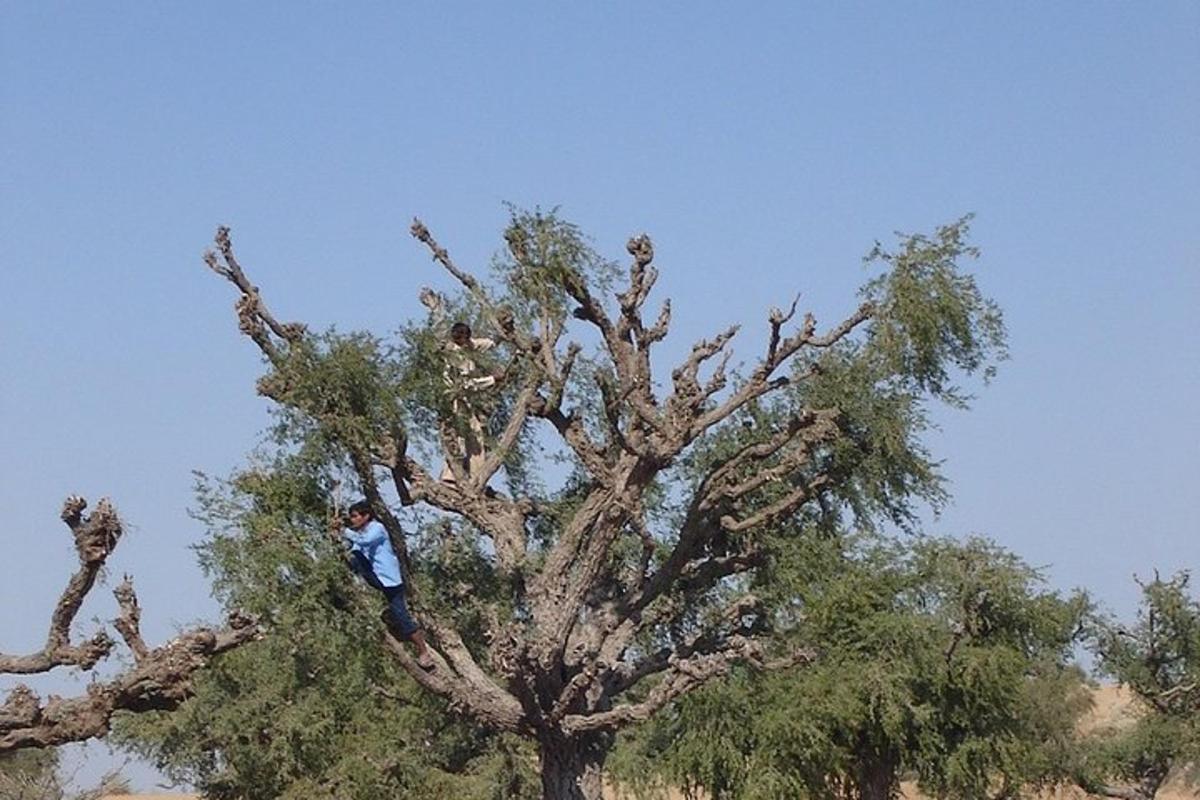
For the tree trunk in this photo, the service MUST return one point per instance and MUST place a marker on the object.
(877, 778)
(571, 767)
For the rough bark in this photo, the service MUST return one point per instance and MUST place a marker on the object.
(572, 767)
(160, 679)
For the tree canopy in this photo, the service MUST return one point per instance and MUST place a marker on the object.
(651, 521)
(943, 662)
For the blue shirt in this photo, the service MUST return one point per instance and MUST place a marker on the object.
(373, 545)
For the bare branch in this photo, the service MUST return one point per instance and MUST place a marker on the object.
(254, 319)
(161, 681)
(633, 438)
(494, 456)
(497, 517)
(793, 446)
(559, 375)
(571, 429)
(682, 676)
(161, 678)
(658, 331)
(498, 318)
(129, 623)
(689, 397)
(96, 536)
(440, 255)
(761, 381)
(642, 278)
(789, 503)
(778, 318)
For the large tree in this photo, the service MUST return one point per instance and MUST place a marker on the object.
(629, 559)
(160, 678)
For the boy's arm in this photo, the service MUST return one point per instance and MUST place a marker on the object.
(482, 382)
(373, 535)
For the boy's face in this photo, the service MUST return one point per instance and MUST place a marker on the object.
(358, 519)
(461, 336)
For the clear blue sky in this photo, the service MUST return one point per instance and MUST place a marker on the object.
(764, 149)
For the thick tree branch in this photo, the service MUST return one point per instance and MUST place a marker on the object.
(725, 481)
(633, 614)
(161, 678)
(96, 536)
(712, 639)
(572, 431)
(630, 358)
(688, 395)
(457, 678)
(785, 505)
(722, 485)
(499, 518)
(500, 449)
(161, 681)
(683, 675)
(609, 675)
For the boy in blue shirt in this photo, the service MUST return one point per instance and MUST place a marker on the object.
(372, 557)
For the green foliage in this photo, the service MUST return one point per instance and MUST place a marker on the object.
(545, 255)
(930, 316)
(316, 708)
(882, 469)
(343, 388)
(1158, 658)
(930, 323)
(934, 661)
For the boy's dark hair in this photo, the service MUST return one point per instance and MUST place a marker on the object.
(362, 507)
(460, 327)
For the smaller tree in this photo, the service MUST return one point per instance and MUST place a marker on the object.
(32, 774)
(1159, 661)
(160, 679)
(947, 662)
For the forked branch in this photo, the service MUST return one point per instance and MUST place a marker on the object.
(160, 679)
